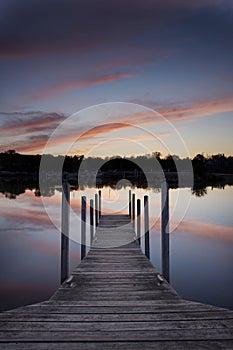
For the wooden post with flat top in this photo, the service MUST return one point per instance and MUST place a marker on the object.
(83, 227)
(165, 229)
(65, 231)
(130, 204)
(139, 220)
(96, 210)
(146, 227)
(91, 221)
(133, 209)
(99, 204)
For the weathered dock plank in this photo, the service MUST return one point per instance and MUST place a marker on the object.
(160, 345)
(116, 301)
(113, 334)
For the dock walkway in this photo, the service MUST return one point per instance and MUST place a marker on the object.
(116, 299)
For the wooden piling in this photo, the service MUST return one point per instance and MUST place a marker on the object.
(99, 204)
(165, 229)
(130, 204)
(133, 209)
(146, 227)
(91, 221)
(139, 220)
(83, 227)
(96, 210)
(65, 231)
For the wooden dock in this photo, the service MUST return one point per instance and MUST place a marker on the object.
(115, 299)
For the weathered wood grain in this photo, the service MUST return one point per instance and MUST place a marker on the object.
(159, 345)
(82, 316)
(112, 335)
(116, 326)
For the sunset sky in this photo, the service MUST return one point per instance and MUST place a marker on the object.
(173, 56)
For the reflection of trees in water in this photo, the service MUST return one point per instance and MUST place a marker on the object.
(10, 195)
(12, 188)
(47, 191)
(199, 191)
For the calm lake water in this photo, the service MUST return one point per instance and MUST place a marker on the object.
(201, 242)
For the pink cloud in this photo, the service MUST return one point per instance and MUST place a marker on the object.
(30, 121)
(180, 111)
(48, 93)
(200, 109)
(183, 110)
(104, 129)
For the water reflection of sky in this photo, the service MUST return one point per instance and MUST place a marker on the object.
(29, 251)
(201, 259)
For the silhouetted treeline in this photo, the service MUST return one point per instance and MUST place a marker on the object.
(217, 163)
(12, 161)
(15, 162)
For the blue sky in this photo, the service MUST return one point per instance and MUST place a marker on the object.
(58, 57)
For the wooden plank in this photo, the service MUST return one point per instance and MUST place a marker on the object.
(167, 325)
(116, 317)
(60, 307)
(126, 335)
(164, 345)
(111, 296)
(114, 287)
(158, 304)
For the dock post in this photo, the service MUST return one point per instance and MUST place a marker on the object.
(99, 204)
(139, 221)
(91, 221)
(165, 229)
(133, 210)
(130, 205)
(65, 231)
(146, 227)
(96, 210)
(83, 227)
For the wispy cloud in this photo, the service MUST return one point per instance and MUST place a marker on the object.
(104, 129)
(184, 110)
(199, 109)
(28, 122)
(75, 85)
(33, 129)
(27, 131)
(180, 111)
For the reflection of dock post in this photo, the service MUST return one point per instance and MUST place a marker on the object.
(96, 211)
(133, 210)
(139, 220)
(130, 205)
(99, 204)
(165, 229)
(91, 220)
(83, 227)
(146, 226)
(65, 231)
